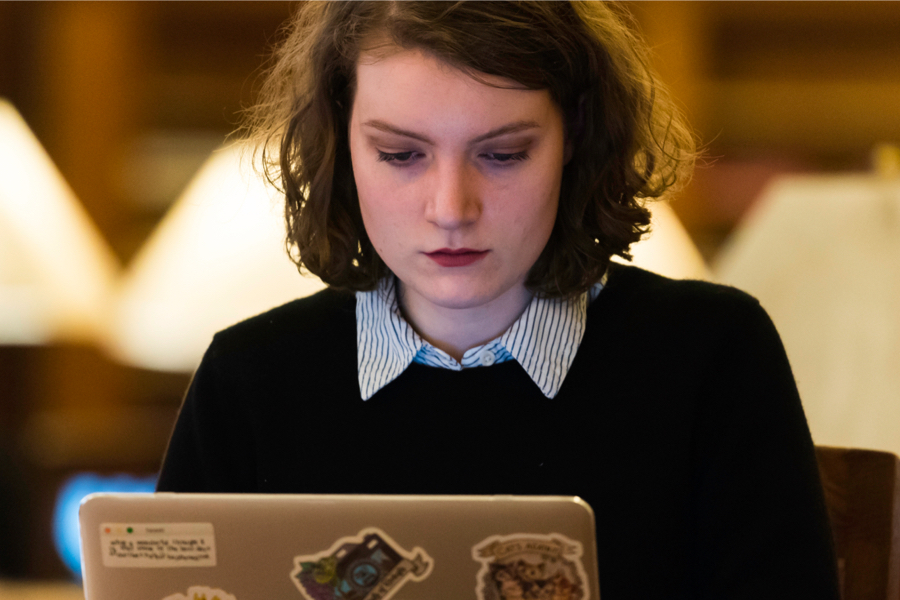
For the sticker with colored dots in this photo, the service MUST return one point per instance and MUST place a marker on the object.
(158, 545)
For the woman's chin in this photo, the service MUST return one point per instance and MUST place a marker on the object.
(468, 296)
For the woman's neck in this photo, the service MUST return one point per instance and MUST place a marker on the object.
(456, 330)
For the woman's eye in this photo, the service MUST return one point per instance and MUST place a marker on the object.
(396, 157)
(505, 157)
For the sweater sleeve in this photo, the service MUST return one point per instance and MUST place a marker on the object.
(210, 449)
(761, 525)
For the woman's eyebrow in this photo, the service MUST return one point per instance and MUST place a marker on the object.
(388, 128)
(514, 127)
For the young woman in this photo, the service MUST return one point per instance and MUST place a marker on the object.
(460, 174)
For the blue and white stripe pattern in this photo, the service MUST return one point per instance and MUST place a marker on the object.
(543, 340)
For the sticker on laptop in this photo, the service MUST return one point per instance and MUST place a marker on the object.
(526, 566)
(158, 545)
(368, 566)
(201, 592)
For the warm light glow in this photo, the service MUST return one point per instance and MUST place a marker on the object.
(56, 271)
(668, 250)
(217, 258)
(822, 254)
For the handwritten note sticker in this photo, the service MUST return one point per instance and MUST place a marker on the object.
(153, 545)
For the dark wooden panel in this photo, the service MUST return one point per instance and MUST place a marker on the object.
(862, 489)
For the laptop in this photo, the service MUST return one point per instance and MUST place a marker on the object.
(167, 546)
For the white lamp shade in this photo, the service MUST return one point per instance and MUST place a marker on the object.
(822, 254)
(668, 250)
(217, 257)
(56, 271)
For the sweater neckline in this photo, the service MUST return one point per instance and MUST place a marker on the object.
(543, 340)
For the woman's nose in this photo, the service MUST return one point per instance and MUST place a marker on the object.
(454, 200)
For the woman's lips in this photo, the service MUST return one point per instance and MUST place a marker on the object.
(459, 257)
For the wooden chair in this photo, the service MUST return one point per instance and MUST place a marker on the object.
(862, 490)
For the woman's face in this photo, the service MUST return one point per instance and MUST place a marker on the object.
(458, 181)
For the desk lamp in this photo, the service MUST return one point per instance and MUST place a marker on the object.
(822, 254)
(56, 271)
(216, 258)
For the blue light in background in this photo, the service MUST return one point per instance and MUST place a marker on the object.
(65, 514)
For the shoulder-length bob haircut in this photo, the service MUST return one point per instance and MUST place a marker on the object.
(627, 139)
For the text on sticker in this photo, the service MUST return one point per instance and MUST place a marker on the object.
(162, 545)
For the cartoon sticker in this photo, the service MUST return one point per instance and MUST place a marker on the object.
(368, 566)
(201, 592)
(526, 566)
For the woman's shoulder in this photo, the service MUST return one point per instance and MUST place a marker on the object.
(683, 330)
(632, 284)
(311, 322)
(639, 296)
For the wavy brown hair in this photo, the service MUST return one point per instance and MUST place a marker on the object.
(629, 142)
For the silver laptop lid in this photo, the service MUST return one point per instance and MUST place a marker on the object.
(313, 547)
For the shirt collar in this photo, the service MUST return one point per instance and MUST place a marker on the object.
(543, 340)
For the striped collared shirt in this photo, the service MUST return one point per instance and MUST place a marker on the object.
(543, 340)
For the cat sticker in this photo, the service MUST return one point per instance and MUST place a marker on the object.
(369, 566)
(530, 567)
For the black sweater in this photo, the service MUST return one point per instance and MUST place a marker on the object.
(679, 423)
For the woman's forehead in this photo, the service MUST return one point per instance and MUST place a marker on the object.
(409, 70)
(381, 47)
(414, 89)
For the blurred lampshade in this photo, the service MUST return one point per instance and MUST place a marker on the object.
(56, 271)
(822, 254)
(216, 258)
(669, 250)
